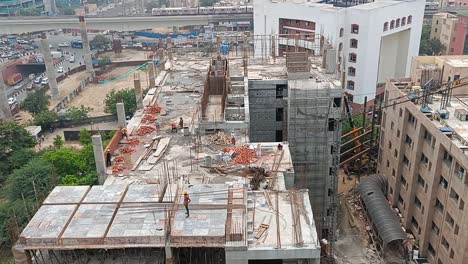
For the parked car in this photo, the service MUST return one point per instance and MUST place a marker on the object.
(50, 46)
(60, 69)
(63, 45)
(72, 59)
(19, 47)
(30, 86)
(38, 80)
(11, 100)
(18, 87)
(45, 80)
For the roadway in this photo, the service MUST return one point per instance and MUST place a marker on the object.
(17, 25)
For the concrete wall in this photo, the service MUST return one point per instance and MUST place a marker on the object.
(329, 21)
(393, 54)
(262, 106)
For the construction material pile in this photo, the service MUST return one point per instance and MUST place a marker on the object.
(143, 130)
(155, 109)
(219, 138)
(118, 167)
(133, 141)
(118, 159)
(148, 119)
(126, 149)
(241, 154)
(259, 176)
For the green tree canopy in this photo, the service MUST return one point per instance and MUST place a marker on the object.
(29, 12)
(58, 142)
(100, 41)
(77, 113)
(127, 96)
(13, 137)
(45, 119)
(85, 137)
(429, 46)
(67, 161)
(36, 102)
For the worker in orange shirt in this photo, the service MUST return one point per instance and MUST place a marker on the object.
(186, 202)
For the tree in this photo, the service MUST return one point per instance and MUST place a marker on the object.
(77, 113)
(104, 60)
(85, 137)
(32, 181)
(14, 161)
(13, 137)
(127, 96)
(67, 11)
(100, 42)
(29, 12)
(45, 119)
(429, 46)
(36, 102)
(58, 142)
(68, 161)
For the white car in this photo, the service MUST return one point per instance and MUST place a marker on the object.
(45, 80)
(60, 69)
(11, 100)
(18, 87)
(138, 44)
(50, 46)
(72, 59)
(63, 44)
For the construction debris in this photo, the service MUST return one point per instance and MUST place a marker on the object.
(219, 138)
(241, 154)
(148, 119)
(118, 159)
(155, 109)
(259, 176)
(143, 130)
(126, 149)
(118, 167)
(133, 141)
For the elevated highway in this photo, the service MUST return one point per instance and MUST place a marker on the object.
(16, 25)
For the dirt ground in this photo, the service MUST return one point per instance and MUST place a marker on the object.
(94, 94)
(126, 55)
(67, 85)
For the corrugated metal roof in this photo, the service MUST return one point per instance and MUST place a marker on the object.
(372, 190)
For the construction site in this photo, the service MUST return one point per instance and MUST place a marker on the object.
(254, 140)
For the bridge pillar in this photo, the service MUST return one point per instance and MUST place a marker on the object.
(50, 69)
(138, 91)
(162, 62)
(152, 77)
(4, 106)
(86, 50)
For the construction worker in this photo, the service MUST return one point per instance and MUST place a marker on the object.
(156, 124)
(280, 147)
(123, 130)
(233, 141)
(186, 202)
(108, 158)
(181, 123)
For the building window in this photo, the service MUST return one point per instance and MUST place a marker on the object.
(421, 181)
(427, 136)
(410, 19)
(408, 140)
(279, 114)
(392, 24)
(459, 171)
(353, 43)
(414, 222)
(331, 124)
(435, 228)
(430, 249)
(448, 158)
(340, 46)
(411, 118)
(417, 202)
(341, 32)
(307, 23)
(339, 59)
(443, 182)
(397, 23)
(403, 21)
(437, 22)
(350, 85)
(355, 29)
(352, 57)
(445, 243)
(461, 205)
(298, 22)
(424, 159)
(351, 71)
(280, 88)
(405, 160)
(392, 125)
(398, 133)
(439, 206)
(454, 196)
(385, 26)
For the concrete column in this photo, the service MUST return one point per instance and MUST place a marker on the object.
(152, 78)
(138, 91)
(169, 48)
(4, 106)
(99, 158)
(86, 49)
(50, 69)
(121, 120)
(162, 63)
(169, 255)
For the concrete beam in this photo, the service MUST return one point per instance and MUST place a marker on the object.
(121, 120)
(4, 106)
(99, 158)
(50, 69)
(86, 49)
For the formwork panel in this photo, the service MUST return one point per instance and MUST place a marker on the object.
(46, 225)
(105, 193)
(66, 195)
(137, 193)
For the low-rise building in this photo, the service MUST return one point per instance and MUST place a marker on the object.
(451, 30)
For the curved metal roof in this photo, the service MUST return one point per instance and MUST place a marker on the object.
(372, 190)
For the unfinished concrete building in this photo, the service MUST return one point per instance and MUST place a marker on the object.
(422, 152)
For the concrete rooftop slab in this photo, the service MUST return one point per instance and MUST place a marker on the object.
(105, 193)
(66, 195)
(46, 225)
(206, 194)
(143, 194)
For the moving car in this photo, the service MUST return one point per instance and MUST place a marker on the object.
(63, 44)
(11, 100)
(60, 69)
(38, 80)
(45, 80)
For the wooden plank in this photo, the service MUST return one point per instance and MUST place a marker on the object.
(162, 145)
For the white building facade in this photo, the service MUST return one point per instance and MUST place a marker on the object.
(374, 41)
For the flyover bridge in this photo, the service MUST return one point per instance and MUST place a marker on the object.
(16, 25)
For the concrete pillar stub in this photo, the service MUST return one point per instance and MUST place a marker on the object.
(138, 91)
(152, 78)
(4, 106)
(99, 158)
(50, 69)
(86, 50)
(121, 120)
(169, 255)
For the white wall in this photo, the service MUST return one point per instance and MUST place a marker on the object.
(370, 18)
(393, 54)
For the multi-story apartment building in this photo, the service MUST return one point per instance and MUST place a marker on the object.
(423, 152)
(373, 41)
(451, 30)
(450, 3)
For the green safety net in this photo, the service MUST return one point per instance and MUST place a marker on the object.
(125, 75)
